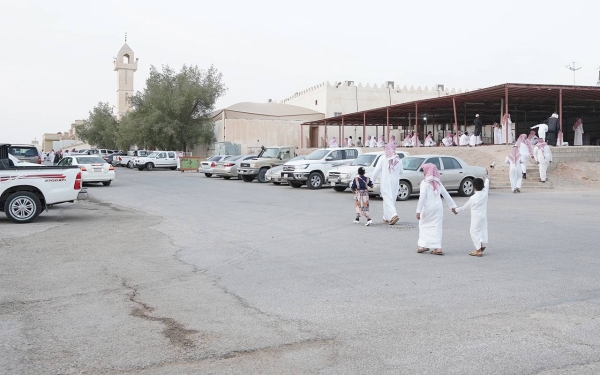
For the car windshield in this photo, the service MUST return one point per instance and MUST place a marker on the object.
(90, 160)
(234, 158)
(270, 153)
(412, 164)
(301, 157)
(364, 160)
(317, 155)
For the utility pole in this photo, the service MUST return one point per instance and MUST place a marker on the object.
(573, 67)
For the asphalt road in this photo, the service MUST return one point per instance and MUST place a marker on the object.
(165, 272)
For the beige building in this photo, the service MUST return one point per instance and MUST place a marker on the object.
(347, 97)
(253, 125)
(125, 65)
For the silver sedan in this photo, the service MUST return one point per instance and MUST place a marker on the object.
(455, 174)
(274, 174)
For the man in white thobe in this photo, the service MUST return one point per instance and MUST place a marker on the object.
(179, 156)
(373, 142)
(514, 172)
(578, 128)
(526, 151)
(543, 156)
(388, 171)
(542, 130)
(478, 205)
(507, 130)
(464, 139)
(350, 142)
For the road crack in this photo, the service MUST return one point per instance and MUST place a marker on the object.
(173, 330)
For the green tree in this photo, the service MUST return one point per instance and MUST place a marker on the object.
(172, 113)
(100, 129)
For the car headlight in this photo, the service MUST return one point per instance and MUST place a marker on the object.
(255, 165)
(303, 166)
(377, 181)
(345, 175)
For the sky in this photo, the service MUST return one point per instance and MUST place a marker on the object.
(56, 57)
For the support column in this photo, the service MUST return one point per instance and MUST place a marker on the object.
(364, 139)
(343, 131)
(505, 112)
(340, 135)
(417, 124)
(560, 116)
(326, 139)
(387, 124)
(455, 115)
(301, 136)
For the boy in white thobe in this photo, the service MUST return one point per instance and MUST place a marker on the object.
(373, 142)
(472, 140)
(430, 211)
(478, 205)
(543, 156)
(514, 173)
(388, 171)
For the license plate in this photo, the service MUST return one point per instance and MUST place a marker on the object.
(97, 169)
(332, 183)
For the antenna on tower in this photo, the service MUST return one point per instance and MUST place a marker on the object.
(573, 67)
(125, 37)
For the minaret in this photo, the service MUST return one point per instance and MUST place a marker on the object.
(125, 66)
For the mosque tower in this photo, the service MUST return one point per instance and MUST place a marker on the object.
(125, 65)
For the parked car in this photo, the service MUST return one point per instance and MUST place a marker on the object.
(340, 177)
(229, 168)
(274, 174)
(93, 168)
(26, 153)
(27, 189)
(207, 166)
(156, 159)
(312, 170)
(112, 159)
(455, 174)
(268, 158)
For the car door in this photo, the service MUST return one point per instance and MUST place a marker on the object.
(171, 159)
(453, 173)
(161, 159)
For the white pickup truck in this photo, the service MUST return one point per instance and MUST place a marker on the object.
(27, 189)
(312, 170)
(127, 160)
(156, 159)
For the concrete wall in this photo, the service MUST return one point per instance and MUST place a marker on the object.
(348, 98)
(574, 154)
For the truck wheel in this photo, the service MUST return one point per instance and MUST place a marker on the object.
(106, 183)
(173, 168)
(339, 188)
(149, 166)
(130, 164)
(262, 175)
(404, 191)
(315, 180)
(22, 207)
(247, 178)
(466, 187)
(276, 183)
(141, 168)
(227, 177)
(295, 184)
(208, 175)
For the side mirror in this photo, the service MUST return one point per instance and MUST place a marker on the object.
(421, 170)
(329, 158)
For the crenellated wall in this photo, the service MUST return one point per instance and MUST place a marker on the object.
(347, 97)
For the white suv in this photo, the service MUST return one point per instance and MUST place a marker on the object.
(156, 159)
(312, 170)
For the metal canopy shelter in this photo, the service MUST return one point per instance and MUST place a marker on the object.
(536, 101)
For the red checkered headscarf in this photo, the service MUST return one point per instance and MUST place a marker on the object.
(432, 175)
(391, 156)
(523, 139)
(514, 155)
(577, 124)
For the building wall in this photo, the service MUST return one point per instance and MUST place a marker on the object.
(251, 134)
(48, 139)
(345, 98)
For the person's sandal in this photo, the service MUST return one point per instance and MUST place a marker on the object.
(394, 220)
(437, 252)
(422, 250)
(476, 253)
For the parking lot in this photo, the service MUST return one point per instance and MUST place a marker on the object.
(178, 273)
